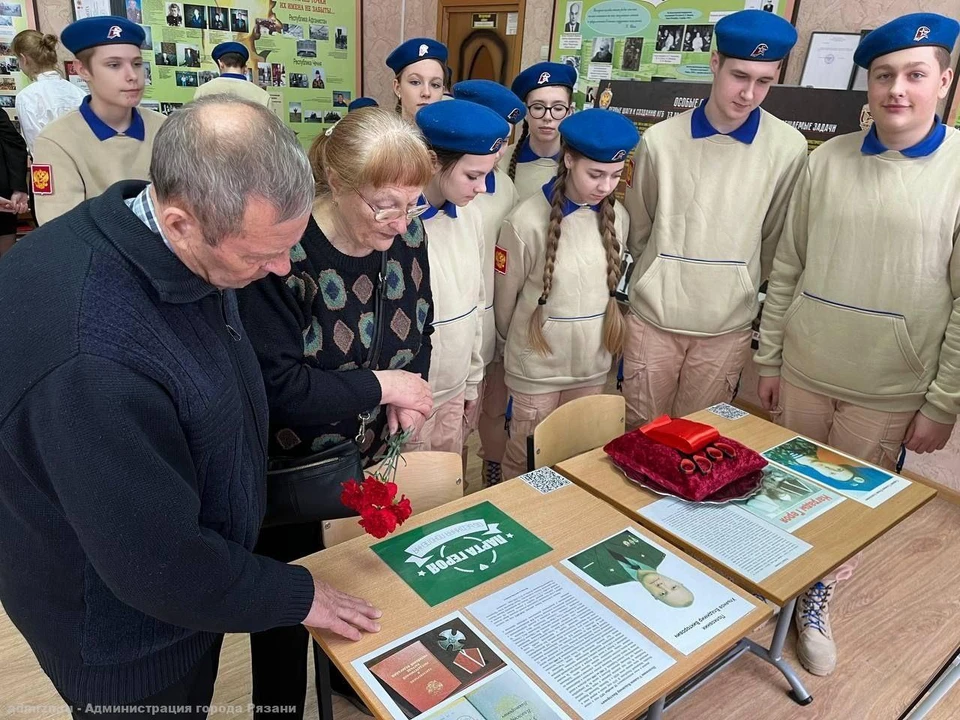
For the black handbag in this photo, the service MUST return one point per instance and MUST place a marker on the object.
(307, 488)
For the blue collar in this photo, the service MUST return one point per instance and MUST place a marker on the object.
(526, 154)
(701, 128)
(928, 146)
(448, 207)
(235, 76)
(569, 206)
(104, 131)
(491, 182)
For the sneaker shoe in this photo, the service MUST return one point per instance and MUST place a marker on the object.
(816, 649)
(491, 474)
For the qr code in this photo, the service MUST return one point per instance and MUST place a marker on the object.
(727, 411)
(545, 480)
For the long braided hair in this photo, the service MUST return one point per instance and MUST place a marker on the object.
(613, 325)
(512, 169)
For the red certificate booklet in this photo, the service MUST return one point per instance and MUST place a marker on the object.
(417, 676)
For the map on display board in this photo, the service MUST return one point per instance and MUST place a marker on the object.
(13, 19)
(641, 39)
(304, 52)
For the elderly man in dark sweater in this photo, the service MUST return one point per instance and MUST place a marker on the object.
(133, 422)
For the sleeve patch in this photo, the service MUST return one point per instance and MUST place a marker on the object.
(500, 260)
(42, 178)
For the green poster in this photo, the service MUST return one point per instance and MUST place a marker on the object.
(449, 556)
(304, 52)
(640, 39)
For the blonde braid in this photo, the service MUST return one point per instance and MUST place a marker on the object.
(613, 325)
(535, 332)
(512, 169)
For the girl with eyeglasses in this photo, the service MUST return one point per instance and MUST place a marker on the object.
(464, 139)
(312, 331)
(546, 89)
(558, 260)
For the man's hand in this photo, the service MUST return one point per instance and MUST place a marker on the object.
(340, 613)
(925, 435)
(768, 388)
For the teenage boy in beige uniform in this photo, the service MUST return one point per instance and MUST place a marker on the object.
(860, 337)
(81, 154)
(706, 208)
(231, 59)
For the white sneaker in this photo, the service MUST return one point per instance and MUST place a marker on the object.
(815, 646)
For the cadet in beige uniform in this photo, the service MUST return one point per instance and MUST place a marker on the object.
(109, 139)
(707, 205)
(464, 138)
(546, 88)
(558, 265)
(860, 336)
(231, 58)
(494, 205)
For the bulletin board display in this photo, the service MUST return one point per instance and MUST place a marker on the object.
(306, 53)
(15, 15)
(642, 39)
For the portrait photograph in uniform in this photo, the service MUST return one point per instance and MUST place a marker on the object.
(208, 75)
(307, 48)
(698, 38)
(167, 54)
(319, 81)
(293, 31)
(340, 38)
(147, 43)
(188, 55)
(296, 112)
(196, 16)
(174, 15)
(218, 18)
(299, 80)
(239, 21)
(632, 50)
(669, 38)
(341, 98)
(186, 78)
(320, 32)
(602, 50)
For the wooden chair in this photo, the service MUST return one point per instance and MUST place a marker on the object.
(429, 479)
(576, 427)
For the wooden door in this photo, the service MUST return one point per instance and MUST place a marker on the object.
(484, 40)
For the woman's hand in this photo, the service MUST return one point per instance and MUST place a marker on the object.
(404, 419)
(405, 390)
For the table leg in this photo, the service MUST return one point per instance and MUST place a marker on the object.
(655, 711)
(774, 654)
(324, 690)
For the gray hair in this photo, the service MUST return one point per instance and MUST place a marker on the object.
(218, 151)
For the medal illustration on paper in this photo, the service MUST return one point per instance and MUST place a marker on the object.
(451, 640)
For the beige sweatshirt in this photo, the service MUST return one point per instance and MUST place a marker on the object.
(705, 217)
(83, 167)
(455, 252)
(494, 208)
(863, 303)
(574, 311)
(234, 86)
(531, 176)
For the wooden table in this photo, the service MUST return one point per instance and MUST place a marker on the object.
(835, 536)
(568, 519)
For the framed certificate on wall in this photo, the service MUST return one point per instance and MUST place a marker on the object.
(829, 64)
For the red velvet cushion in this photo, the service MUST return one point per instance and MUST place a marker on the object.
(639, 454)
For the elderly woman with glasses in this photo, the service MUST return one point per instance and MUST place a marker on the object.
(313, 331)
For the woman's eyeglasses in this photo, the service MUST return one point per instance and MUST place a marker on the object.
(557, 112)
(385, 215)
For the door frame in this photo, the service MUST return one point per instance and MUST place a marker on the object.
(443, 22)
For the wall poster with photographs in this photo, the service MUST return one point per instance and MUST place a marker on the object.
(15, 15)
(306, 53)
(642, 39)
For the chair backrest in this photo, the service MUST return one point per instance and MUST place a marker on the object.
(429, 479)
(577, 427)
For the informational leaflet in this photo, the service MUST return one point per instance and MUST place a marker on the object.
(740, 540)
(789, 501)
(590, 657)
(450, 671)
(449, 556)
(856, 479)
(681, 604)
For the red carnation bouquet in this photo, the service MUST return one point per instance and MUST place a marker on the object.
(375, 499)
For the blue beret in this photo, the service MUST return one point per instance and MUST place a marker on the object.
(914, 30)
(461, 126)
(101, 30)
(230, 47)
(362, 102)
(492, 95)
(415, 50)
(541, 75)
(755, 35)
(601, 135)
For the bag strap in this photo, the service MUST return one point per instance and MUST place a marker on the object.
(374, 355)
